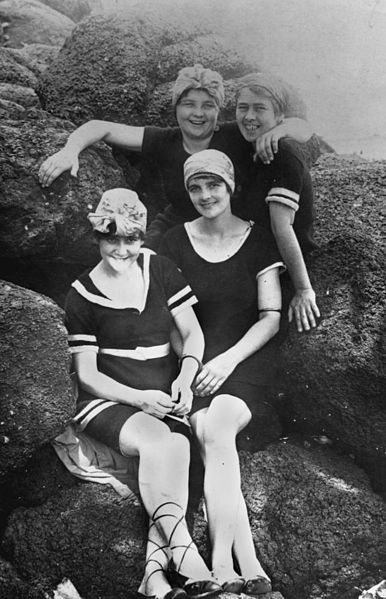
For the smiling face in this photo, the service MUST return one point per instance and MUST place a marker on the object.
(255, 114)
(197, 114)
(119, 253)
(209, 195)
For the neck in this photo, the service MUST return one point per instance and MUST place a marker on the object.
(108, 272)
(220, 226)
(195, 145)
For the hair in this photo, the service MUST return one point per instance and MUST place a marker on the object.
(285, 99)
(214, 176)
(136, 234)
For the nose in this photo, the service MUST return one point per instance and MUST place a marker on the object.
(198, 110)
(122, 247)
(250, 114)
(205, 193)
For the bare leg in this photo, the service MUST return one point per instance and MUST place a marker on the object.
(163, 484)
(243, 546)
(216, 429)
(154, 582)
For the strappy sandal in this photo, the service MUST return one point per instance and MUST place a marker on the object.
(235, 585)
(260, 585)
(197, 589)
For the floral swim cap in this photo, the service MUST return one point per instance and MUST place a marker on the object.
(119, 212)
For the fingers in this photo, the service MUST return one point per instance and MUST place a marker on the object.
(267, 147)
(208, 383)
(75, 168)
(304, 316)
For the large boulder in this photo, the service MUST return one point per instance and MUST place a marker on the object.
(46, 230)
(73, 9)
(334, 378)
(37, 398)
(120, 66)
(11, 71)
(318, 528)
(31, 21)
(35, 57)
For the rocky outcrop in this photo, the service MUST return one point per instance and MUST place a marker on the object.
(35, 57)
(334, 378)
(318, 529)
(31, 21)
(73, 9)
(119, 67)
(37, 399)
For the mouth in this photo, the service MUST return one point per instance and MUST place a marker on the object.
(197, 123)
(250, 128)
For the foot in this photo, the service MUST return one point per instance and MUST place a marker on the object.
(199, 589)
(233, 585)
(259, 585)
(155, 586)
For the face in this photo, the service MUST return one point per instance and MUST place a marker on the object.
(197, 114)
(255, 114)
(210, 196)
(119, 253)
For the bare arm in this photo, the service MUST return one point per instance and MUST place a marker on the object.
(293, 127)
(192, 340)
(303, 305)
(95, 382)
(217, 370)
(91, 132)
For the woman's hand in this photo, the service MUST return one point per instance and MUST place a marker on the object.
(156, 403)
(213, 374)
(182, 396)
(56, 164)
(267, 144)
(304, 309)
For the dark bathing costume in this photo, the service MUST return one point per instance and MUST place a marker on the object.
(132, 344)
(227, 307)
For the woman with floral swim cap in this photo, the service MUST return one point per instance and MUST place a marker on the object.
(131, 395)
(233, 268)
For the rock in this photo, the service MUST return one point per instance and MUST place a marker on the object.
(31, 21)
(73, 9)
(319, 529)
(49, 225)
(334, 378)
(37, 399)
(24, 96)
(88, 534)
(13, 72)
(114, 64)
(13, 587)
(36, 57)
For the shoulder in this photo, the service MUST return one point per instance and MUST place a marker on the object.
(154, 136)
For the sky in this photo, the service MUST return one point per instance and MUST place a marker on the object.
(333, 51)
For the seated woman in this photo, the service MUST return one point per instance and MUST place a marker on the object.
(278, 195)
(233, 267)
(131, 397)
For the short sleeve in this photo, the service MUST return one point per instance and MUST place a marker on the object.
(265, 252)
(80, 324)
(287, 178)
(179, 294)
(155, 139)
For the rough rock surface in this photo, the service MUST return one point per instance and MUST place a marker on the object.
(31, 21)
(114, 65)
(334, 378)
(47, 224)
(13, 587)
(25, 96)
(13, 72)
(73, 9)
(318, 528)
(37, 399)
(36, 57)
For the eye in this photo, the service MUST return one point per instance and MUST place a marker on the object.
(242, 107)
(213, 184)
(193, 189)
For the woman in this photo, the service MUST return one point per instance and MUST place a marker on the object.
(233, 267)
(197, 98)
(278, 195)
(119, 316)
